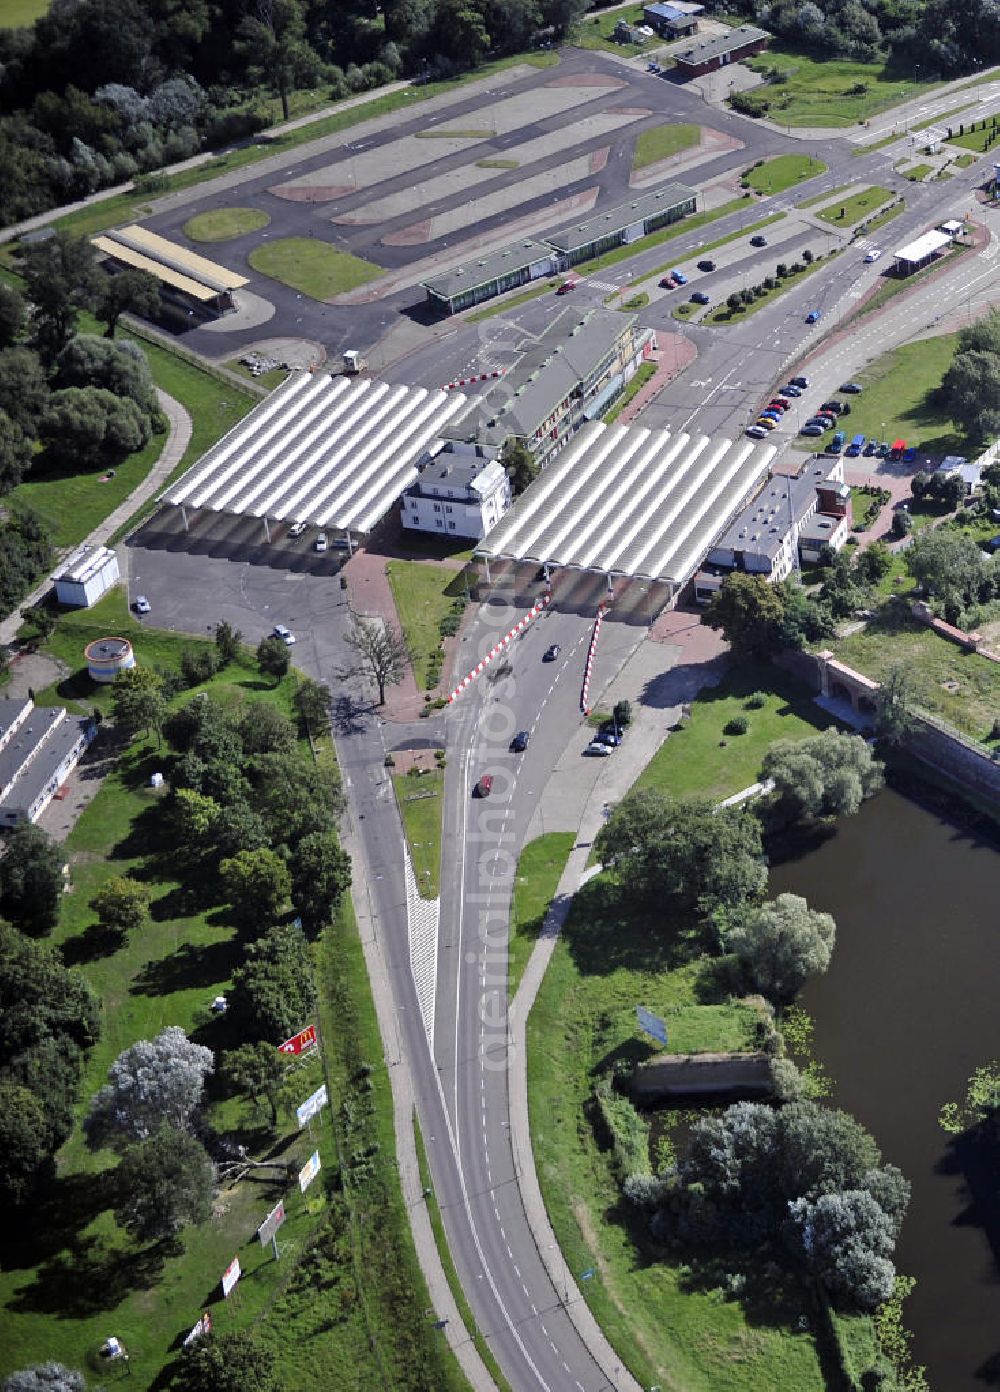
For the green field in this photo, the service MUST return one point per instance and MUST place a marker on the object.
(845, 212)
(595, 31)
(16, 13)
(831, 92)
(782, 172)
(421, 804)
(663, 141)
(963, 161)
(899, 398)
(979, 139)
(702, 758)
(222, 224)
(315, 268)
(423, 595)
(539, 869)
(916, 173)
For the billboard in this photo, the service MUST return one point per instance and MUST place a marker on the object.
(309, 1171)
(231, 1275)
(203, 1327)
(652, 1024)
(301, 1042)
(311, 1106)
(267, 1230)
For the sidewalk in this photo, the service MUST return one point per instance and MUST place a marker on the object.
(178, 437)
(681, 354)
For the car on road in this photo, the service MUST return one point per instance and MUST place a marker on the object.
(567, 286)
(141, 605)
(284, 633)
(550, 654)
(800, 382)
(679, 277)
(852, 388)
(520, 741)
(699, 297)
(814, 316)
(707, 265)
(297, 528)
(321, 543)
(485, 786)
(791, 390)
(835, 407)
(597, 750)
(758, 241)
(873, 255)
(810, 428)
(756, 432)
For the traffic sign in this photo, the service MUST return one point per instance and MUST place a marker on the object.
(300, 1043)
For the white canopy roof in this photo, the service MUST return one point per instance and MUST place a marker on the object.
(624, 500)
(923, 246)
(331, 451)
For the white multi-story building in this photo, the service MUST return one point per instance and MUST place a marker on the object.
(461, 491)
(39, 748)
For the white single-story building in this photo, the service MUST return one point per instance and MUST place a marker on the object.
(86, 575)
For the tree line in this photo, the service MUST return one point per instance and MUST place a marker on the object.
(98, 92)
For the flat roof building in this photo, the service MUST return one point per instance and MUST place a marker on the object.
(192, 276)
(87, 574)
(39, 748)
(334, 452)
(709, 55)
(623, 224)
(490, 275)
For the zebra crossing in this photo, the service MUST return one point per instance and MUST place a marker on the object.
(422, 917)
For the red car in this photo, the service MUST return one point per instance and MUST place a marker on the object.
(485, 785)
(567, 286)
(668, 283)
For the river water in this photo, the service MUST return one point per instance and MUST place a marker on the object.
(907, 1010)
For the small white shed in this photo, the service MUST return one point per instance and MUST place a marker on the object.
(86, 575)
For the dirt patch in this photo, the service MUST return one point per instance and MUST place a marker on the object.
(406, 759)
(31, 672)
(599, 158)
(586, 80)
(310, 193)
(415, 235)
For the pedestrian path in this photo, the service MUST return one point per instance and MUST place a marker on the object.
(422, 919)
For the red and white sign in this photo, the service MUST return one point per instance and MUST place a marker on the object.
(299, 1043)
(231, 1275)
(271, 1224)
(203, 1327)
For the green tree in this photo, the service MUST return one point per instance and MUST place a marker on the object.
(380, 650)
(273, 658)
(272, 43)
(520, 465)
(153, 1083)
(62, 278)
(874, 563)
(313, 702)
(31, 880)
(980, 1107)
(780, 944)
(563, 14)
(894, 706)
(844, 589)
(127, 292)
(13, 315)
(750, 612)
(90, 427)
(228, 642)
(238, 828)
(256, 884)
(227, 1363)
(39, 997)
(24, 389)
(847, 1240)
(259, 1072)
(263, 729)
(137, 701)
(122, 906)
(25, 1143)
(120, 368)
(163, 1184)
(294, 796)
(683, 851)
(321, 874)
(971, 389)
(458, 31)
(15, 454)
(829, 775)
(273, 994)
(947, 564)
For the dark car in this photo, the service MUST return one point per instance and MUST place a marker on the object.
(871, 447)
(668, 283)
(852, 387)
(819, 421)
(707, 265)
(814, 316)
(550, 654)
(758, 241)
(699, 297)
(520, 742)
(791, 390)
(836, 407)
(810, 429)
(802, 382)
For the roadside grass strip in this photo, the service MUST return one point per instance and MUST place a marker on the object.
(846, 212)
(782, 172)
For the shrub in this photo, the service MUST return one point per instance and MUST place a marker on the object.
(739, 725)
(756, 700)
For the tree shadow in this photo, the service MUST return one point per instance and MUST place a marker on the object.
(95, 941)
(347, 714)
(188, 968)
(62, 1209)
(607, 930)
(92, 1276)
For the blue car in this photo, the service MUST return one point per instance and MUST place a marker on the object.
(680, 277)
(855, 447)
(909, 455)
(814, 316)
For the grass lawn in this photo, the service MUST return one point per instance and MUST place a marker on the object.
(663, 141)
(848, 211)
(595, 31)
(877, 144)
(16, 13)
(893, 638)
(916, 172)
(315, 268)
(963, 161)
(702, 758)
(539, 870)
(420, 806)
(221, 224)
(979, 139)
(876, 222)
(497, 164)
(776, 175)
(724, 315)
(423, 595)
(669, 1330)
(900, 398)
(662, 234)
(831, 92)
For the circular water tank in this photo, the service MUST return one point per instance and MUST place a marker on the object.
(106, 657)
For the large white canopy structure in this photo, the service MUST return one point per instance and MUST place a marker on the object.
(331, 451)
(626, 501)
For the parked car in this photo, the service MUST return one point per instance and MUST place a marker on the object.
(814, 316)
(758, 241)
(597, 750)
(772, 413)
(285, 634)
(550, 654)
(520, 741)
(791, 390)
(821, 421)
(855, 447)
(567, 286)
(321, 542)
(776, 404)
(811, 429)
(142, 605)
(297, 528)
(852, 387)
(668, 283)
(767, 422)
(871, 447)
(756, 432)
(706, 265)
(835, 407)
(781, 401)
(801, 382)
(909, 455)
(485, 786)
(679, 277)
(837, 443)
(873, 255)
(699, 297)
